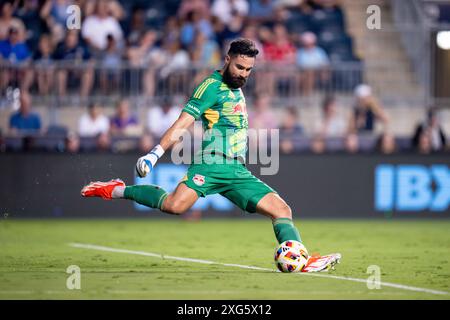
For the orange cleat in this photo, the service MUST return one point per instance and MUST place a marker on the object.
(101, 189)
(317, 263)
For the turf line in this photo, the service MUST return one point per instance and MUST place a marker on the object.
(162, 256)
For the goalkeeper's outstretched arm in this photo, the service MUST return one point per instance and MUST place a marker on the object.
(146, 163)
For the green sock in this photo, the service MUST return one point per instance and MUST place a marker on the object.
(285, 230)
(148, 195)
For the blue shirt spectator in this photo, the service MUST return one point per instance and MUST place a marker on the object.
(313, 59)
(195, 23)
(24, 121)
(261, 9)
(311, 56)
(14, 50)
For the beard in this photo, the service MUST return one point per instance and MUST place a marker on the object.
(234, 82)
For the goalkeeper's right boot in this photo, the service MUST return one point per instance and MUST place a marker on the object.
(101, 189)
(318, 263)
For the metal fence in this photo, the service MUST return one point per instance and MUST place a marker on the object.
(76, 84)
(69, 83)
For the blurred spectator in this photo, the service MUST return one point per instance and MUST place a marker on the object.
(8, 21)
(352, 143)
(386, 144)
(113, 8)
(222, 33)
(145, 51)
(123, 122)
(54, 13)
(251, 32)
(186, 6)
(325, 5)
(262, 116)
(331, 124)
(261, 10)
(103, 142)
(175, 65)
(24, 121)
(424, 145)
(161, 118)
(94, 122)
(226, 9)
(433, 129)
(193, 24)
(312, 60)
(171, 30)
(72, 143)
(13, 50)
(44, 65)
(146, 143)
(279, 51)
(366, 111)
(147, 55)
(136, 29)
(204, 54)
(318, 144)
(111, 62)
(97, 27)
(290, 129)
(28, 13)
(73, 54)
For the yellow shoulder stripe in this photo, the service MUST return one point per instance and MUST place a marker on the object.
(202, 88)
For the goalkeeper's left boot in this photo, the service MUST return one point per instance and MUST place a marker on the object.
(101, 189)
(322, 263)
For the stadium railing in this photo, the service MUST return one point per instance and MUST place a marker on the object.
(286, 80)
(285, 83)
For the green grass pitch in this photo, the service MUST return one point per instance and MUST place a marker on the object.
(34, 256)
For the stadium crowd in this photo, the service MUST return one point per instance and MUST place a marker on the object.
(163, 38)
(40, 56)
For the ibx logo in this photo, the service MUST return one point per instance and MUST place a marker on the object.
(412, 187)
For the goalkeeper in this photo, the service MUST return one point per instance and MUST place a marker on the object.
(219, 167)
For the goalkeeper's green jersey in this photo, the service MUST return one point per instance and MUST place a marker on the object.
(224, 116)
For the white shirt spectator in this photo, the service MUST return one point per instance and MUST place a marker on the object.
(88, 127)
(96, 29)
(223, 9)
(158, 121)
(333, 128)
(176, 62)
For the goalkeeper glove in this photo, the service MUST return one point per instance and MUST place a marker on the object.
(146, 163)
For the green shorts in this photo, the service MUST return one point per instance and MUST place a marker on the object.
(233, 181)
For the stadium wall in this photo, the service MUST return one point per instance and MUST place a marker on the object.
(325, 186)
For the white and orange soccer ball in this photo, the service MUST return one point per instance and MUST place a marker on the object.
(291, 256)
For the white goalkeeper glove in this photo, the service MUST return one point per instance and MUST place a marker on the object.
(146, 163)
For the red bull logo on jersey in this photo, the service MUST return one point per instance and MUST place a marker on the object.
(199, 179)
(239, 109)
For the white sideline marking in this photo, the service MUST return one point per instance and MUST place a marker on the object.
(161, 256)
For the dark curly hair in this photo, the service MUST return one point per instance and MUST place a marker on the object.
(244, 47)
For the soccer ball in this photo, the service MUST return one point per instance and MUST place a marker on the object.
(291, 256)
